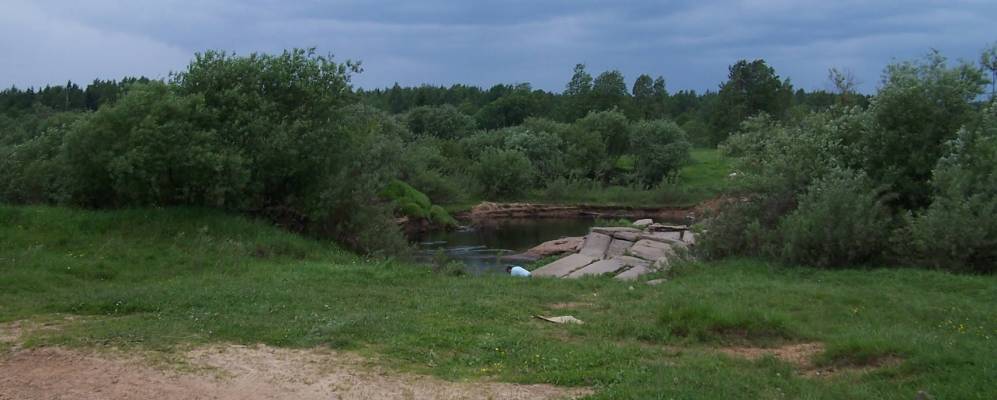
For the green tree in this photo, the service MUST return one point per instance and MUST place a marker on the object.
(609, 91)
(921, 105)
(444, 122)
(503, 173)
(577, 94)
(958, 231)
(612, 127)
(644, 96)
(751, 88)
(661, 149)
(989, 62)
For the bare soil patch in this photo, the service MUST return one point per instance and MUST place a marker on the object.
(235, 372)
(802, 356)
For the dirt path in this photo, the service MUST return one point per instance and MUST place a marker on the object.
(235, 372)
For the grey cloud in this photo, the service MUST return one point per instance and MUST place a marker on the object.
(690, 42)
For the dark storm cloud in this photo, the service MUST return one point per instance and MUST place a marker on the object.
(691, 43)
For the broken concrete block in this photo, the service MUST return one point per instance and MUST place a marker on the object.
(564, 266)
(650, 250)
(599, 268)
(633, 261)
(627, 235)
(665, 237)
(618, 248)
(632, 273)
(596, 245)
(613, 230)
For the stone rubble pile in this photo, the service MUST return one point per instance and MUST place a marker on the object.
(624, 252)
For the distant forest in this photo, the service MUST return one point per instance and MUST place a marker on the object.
(706, 117)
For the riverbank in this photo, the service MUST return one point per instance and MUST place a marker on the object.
(493, 210)
(160, 282)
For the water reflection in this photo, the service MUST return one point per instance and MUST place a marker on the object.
(479, 246)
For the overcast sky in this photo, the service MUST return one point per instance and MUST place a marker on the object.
(484, 42)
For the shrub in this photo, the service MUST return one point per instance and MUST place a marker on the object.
(613, 128)
(959, 231)
(543, 149)
(153, 147)
(661, 149)
(444, 122)
(503, 173)
(414, 204)
(840, 221)
(921, 105)
(441, 217)
(403, 194)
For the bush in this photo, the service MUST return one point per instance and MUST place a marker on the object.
(32, 166)
(840, 221)
(661, 149)
(403, 194)
(613, 128)
(503, 173)
(543, 149)
(921, 105)
(444, 122)
(441, 217)
(273, 135)
(414, 204)
(958, 231)
(154, 147)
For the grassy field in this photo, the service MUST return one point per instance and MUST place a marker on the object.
(160, 279)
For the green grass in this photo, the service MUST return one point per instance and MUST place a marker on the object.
(156, 279)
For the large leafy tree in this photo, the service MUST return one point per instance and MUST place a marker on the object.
(751, 88)
(609, 91)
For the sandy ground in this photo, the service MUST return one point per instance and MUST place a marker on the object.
(226, 372)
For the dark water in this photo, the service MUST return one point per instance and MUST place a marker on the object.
(479, 246)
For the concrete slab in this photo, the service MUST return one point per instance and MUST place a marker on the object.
(667, 228)
(664, 237)
(596, 245)
(650, 250)
(633, 261)
(627, 235)
(564, 266)
(618, 248)
(612, 230)
(632, 273)
(598, 268)
(689, 238)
